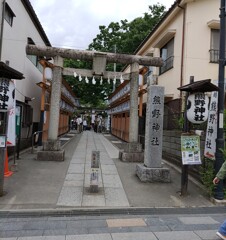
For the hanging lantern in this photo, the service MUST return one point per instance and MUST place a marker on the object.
(109, 81)
(86, 80)
(48, 73)
(101, 81)
(140, 79)
(80, 78)
(197, 107)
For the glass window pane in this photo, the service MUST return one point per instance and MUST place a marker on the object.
(215, 39)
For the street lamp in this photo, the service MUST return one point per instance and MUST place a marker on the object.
(219, 193)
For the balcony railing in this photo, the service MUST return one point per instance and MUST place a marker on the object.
(214, 55)
(167, 64)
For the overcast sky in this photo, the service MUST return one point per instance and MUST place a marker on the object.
(75, 23)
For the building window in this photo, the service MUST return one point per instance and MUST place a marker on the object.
(9, 14)
(215, 45)
(34, 59)
(27, 117)
(166, 53)
(147, 74)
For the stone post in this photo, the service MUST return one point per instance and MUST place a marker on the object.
(51, 149)
(152, 170)
(94, 177)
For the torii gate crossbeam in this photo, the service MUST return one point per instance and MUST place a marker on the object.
(89, 55)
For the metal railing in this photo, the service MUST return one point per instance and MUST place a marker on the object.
(167, 64)
(33, 139)
(214, 56)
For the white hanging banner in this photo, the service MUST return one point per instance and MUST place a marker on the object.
(11, 126)
(11, 129)
(7, 92)
(211, 131)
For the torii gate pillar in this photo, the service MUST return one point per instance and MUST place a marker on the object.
(134, 82)
(51, 148)
(133, 150)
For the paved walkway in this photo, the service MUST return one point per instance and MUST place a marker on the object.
(50, 200)
(113, 227)
(57, 185)
(75, 190)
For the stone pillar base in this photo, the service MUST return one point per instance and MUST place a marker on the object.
(57, 156)
(153, 174)
(131, 156)
(132, 152)
(51, 151)
(133, 147)
(52, 145)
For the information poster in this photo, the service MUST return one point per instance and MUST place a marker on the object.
(2, 141)
(190, 149)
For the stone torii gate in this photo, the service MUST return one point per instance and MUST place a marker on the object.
(52, 150)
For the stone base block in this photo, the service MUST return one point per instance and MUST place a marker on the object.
(153, 174)
(52, 145)
(93, 189)
(131, 157)
(57, 156)
(133, 147)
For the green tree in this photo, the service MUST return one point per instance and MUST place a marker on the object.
(126, 36)
(120, 37)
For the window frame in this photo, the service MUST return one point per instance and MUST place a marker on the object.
(8, 14)
(33, 58)
(169, 58)
(215, 45)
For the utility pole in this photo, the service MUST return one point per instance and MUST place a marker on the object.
(2, 8)
(219, 194)
(184, 168)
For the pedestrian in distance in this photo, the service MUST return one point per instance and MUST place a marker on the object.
(84, 124)
(220, 176)
(99, 126)
(79, 124)
(95, 124)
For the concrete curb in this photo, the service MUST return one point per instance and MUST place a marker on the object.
(110, 211)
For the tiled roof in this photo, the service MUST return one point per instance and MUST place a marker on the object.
(10, 73)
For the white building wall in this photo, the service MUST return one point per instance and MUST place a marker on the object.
(196, 60)
(13, 50)
(198, 36)
(170, 79)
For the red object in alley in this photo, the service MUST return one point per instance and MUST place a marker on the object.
(7, 173)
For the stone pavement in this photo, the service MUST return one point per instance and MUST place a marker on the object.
(50, 200)
(112, 227)
(53, 185)
(75, 191)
